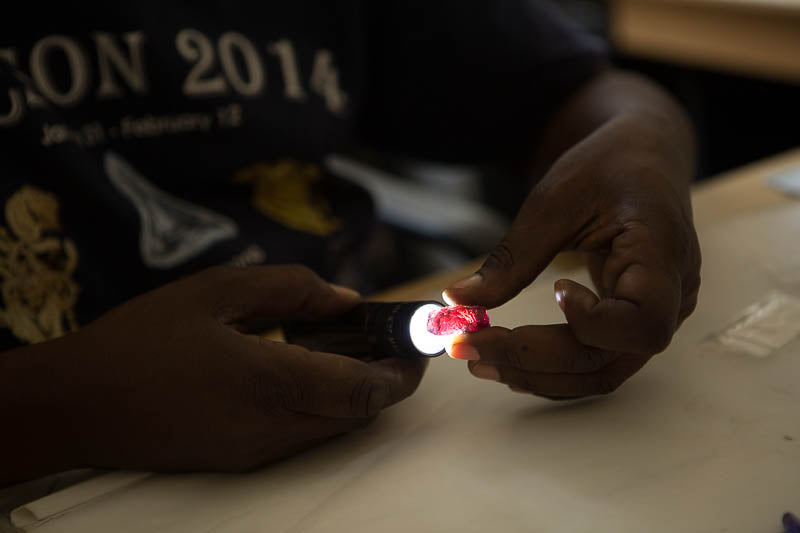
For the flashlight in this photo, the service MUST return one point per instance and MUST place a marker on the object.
(372, 330)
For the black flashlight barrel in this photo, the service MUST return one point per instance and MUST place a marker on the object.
(371, 330)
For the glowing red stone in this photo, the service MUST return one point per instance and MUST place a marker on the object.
(457, 319)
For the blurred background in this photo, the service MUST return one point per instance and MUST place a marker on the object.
(733, 64)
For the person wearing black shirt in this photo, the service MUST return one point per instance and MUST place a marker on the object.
(164, 182)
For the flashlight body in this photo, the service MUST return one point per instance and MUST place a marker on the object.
(369, 331)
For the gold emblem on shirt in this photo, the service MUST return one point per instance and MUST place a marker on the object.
(285, 192)
(36, 268)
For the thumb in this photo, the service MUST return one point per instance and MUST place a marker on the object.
(336, 386)
(274, 291)
(538, 233)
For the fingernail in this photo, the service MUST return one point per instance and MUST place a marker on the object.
(560, 295)
(464, 351)
(347, 292)
(484, 371)
(447, 299)
(467, 282)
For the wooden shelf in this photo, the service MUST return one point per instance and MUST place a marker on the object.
(750, 37)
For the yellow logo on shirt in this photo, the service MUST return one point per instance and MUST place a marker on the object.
(36, 268)
(285, 192)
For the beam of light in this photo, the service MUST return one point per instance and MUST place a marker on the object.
(423, 340)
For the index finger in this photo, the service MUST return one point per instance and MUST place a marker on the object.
(274, 291)
(527, 248)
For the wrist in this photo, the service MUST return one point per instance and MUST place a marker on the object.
(669, 134)
(37, 411)
(613, 98)
(649, 147)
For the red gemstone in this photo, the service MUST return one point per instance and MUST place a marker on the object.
(457, 319)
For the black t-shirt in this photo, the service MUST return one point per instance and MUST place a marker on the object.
(145, 141)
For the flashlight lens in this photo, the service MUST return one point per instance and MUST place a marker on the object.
(425, 341)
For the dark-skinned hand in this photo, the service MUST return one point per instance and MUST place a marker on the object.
(169, 380)
(615, 196)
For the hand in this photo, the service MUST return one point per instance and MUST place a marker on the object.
(168, 381)
(619, 197)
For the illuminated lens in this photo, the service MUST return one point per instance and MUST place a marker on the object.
(425, 341)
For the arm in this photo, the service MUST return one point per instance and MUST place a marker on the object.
(35, 409)
(610, 158)
(611, 95)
